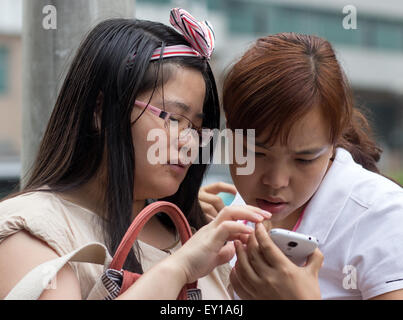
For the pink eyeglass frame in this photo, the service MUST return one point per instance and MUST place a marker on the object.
(202, 132)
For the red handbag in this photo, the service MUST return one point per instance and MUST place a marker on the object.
(189, 291)
(113, 281)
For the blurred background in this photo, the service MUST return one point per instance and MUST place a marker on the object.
(371, 55)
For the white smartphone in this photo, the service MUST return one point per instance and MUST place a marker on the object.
(296, 246)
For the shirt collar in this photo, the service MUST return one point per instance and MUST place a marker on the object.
(330, 198)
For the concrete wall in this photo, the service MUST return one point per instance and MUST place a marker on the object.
(11, 99)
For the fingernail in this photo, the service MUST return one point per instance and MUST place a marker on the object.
(236, 245)
(267, 214)
(258, 217)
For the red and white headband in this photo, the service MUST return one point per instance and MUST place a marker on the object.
(199, 34)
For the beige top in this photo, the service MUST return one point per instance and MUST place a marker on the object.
(65, 226)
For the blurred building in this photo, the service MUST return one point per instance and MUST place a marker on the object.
(10, 93)
(371, 55)
(10, 80)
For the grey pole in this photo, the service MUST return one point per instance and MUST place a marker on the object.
(52, 31)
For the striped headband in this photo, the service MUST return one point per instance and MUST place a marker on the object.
(199, 34)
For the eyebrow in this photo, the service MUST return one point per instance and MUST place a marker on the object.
(183, 106)
(306, 152)
(310, 151)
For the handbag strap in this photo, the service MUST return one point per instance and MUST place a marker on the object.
(176, 215)
(31, 286)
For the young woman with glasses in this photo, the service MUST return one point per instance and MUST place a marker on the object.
(92, 176)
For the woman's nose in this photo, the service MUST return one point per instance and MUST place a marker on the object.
(276, 178)
(189, 138)
(186, 145)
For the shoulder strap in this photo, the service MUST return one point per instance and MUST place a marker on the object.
(181, 224)
(31, 286)
(176, 215)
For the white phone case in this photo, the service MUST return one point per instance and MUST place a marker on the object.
(296, 246)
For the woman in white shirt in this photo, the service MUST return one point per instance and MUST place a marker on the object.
(315, 171)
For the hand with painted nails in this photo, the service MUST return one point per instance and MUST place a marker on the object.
(263, 272)
(212, 245)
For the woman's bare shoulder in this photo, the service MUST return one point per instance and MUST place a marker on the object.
(20, 253)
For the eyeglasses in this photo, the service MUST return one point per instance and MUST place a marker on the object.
(185, 126)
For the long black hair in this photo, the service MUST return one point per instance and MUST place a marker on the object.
(114, 59)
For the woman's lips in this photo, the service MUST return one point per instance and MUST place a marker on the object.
(178, 168)
(272, 207)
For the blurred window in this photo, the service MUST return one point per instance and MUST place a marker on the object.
(388, 35)
(4, 57)
(260, 18)
(155, 1)
(214, 4)
(241, 17)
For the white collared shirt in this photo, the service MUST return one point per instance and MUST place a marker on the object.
(357, 216)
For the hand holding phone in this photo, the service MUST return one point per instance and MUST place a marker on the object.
(296, 246)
